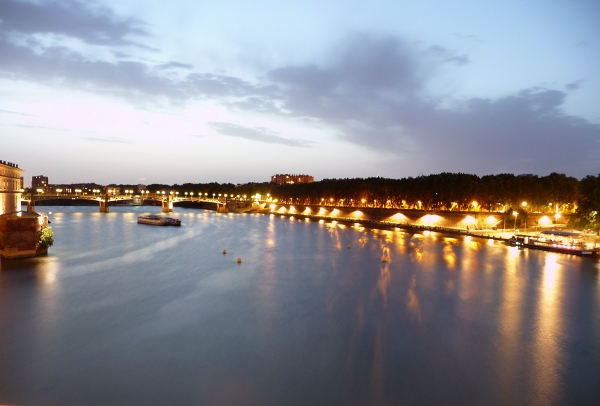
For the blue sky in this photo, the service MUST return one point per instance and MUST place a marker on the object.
(236, 91)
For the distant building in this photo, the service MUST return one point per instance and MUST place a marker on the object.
(291, 179)
(10, 187)
(39, 182)
(84, 188)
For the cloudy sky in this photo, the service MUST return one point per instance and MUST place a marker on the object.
(235, 91)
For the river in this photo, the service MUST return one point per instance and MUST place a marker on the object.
(126, 314)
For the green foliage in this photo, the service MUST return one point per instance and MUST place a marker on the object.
(587, 214)
(46, 237)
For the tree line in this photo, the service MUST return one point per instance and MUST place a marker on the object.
(445, 191)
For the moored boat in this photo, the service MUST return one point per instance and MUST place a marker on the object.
(555, 241)
(154, 220)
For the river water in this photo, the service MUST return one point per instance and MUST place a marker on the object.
(126, 314)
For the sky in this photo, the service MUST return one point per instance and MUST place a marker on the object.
(123, 91)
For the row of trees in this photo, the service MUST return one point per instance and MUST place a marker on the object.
(445, 191)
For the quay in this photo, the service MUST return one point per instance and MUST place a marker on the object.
(474, 224)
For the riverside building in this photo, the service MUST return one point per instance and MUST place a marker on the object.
(10, 187)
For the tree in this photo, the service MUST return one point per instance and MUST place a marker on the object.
(587, 214)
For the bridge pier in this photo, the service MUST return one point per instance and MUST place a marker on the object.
(222, 207)
(31, 204)
(104, 204)
(167, 206)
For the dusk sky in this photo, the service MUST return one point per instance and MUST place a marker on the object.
(236, 91)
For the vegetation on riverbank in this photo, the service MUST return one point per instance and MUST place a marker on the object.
(46, 238)
(587, 213)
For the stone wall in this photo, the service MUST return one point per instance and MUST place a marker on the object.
(20, 234)
(474, 220)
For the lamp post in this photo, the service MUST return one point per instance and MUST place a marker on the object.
(515, 214)
(524, 204)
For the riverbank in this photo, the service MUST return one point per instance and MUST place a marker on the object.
(503, 235)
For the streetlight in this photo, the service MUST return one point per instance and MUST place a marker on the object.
(515, 214)
(524, 204)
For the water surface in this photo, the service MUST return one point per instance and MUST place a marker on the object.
(121, 313)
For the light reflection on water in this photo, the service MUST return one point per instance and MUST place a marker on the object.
(121, 313)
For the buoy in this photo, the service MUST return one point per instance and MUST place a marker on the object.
(224, 251)
(239, 260)
(348, 247)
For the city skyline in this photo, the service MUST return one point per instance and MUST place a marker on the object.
(120, 92)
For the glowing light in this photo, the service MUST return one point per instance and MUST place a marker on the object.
(430, 219)
(544, 221)
(469, 220)
(491, 220)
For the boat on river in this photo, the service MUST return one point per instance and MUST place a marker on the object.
(564, 242)
(154, 220)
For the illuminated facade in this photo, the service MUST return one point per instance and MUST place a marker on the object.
(291, 179)
(10, 187)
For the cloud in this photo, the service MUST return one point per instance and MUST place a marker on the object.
(373, 91)
(76, 19)
(259, 134)
(106, 140)
(467, 37)
(37, 127)
(14, 112)
(378, 98)
(446, 55)
(574, 85)
(172, 65)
